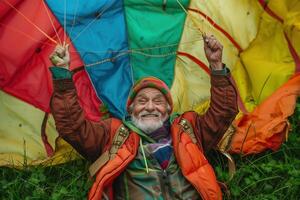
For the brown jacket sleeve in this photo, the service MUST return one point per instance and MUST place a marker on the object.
(87, 137)
(211, 126)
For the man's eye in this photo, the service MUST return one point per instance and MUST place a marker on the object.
(158, 101)
(141, 101)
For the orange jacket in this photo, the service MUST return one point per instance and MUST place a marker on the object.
(188, 153)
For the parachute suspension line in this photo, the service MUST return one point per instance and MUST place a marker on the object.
(74, 18)
(206, 19)
(107, 59)
(153, 55)
(29, 21)
(65, 21)
(131, 52)
(87, 26)
(122, 52)
(147, 48)
(165, 46)
(154, 7)
(193, 19)
(136, 51)
(164, 4)
(48, 14)
(25, 34)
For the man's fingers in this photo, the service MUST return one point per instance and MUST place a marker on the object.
(56, 60)
(217, 46)
(208, 40)
(212, 43)
(52, 55)
(220, 46)
(60, 50)
(67, 50)
(61, 64)
(60, 56)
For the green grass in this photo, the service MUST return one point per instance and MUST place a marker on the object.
(67, 181)
(267, 176)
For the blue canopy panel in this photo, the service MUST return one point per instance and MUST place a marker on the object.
(98, 31)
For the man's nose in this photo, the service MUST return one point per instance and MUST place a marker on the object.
(150, 106)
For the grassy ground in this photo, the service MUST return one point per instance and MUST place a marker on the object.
(268, 176)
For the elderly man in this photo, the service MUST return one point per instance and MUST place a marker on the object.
(152, 154)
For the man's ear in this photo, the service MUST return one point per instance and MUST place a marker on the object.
(169, 108)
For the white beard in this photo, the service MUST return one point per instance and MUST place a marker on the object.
(148, 126)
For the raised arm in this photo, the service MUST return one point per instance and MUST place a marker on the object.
(223, 103)
(87, 137)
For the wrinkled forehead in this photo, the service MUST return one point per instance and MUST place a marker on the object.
(150, 93)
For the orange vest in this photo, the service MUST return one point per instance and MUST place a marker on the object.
(195, 169)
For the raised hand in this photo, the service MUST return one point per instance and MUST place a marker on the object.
(60, 57)
(213, 50)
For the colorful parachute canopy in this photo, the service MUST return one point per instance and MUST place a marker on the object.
(114, 43)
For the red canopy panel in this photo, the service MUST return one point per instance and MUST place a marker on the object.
(25, 48)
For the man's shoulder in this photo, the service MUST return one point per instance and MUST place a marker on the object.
(189, 115)
(114, 122)
(111, 124)
(190, 112)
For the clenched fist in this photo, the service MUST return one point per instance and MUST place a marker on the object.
(213, 50)
(60, 57)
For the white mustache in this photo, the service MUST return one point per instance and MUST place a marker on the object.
(145, 113)
(148, 126)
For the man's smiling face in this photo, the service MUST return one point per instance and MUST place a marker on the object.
(149, 109)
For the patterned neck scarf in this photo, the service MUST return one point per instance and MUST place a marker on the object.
(162, 149)
(162, 132)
